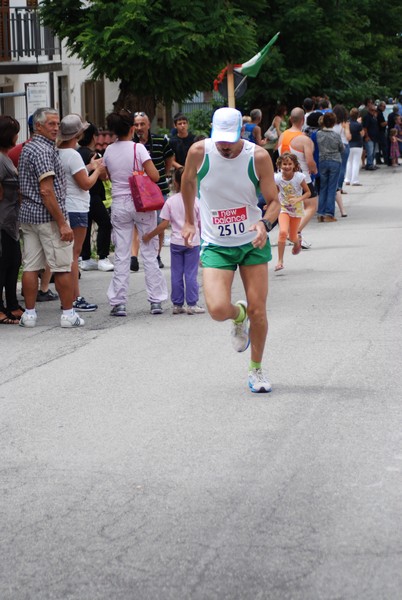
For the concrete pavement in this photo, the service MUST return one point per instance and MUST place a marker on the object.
(135, 463)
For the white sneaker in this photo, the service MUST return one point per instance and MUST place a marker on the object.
(105, 265)
(74, 321)
(240, 332)
(195, 310)
(178, 310)
(28, 320)
(258, 382)
(305, 244)
(89, 265)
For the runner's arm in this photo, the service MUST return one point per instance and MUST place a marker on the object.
(308, 153)
(265, 174)
(189, 189)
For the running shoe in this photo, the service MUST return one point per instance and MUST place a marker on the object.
(178, 309)
(118, 311)
(73, 321)
(240, 331)
(195, 310)
(305, 244)
(82, 305)
(28, 320)
(89, 265)
(46, 296)
(258, 382)
(104, 264)
(156, 308)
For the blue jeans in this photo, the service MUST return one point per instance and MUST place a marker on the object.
(329, 175)
(345, 157)
(370, 147)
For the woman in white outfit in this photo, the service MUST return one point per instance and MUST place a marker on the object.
(119, 161)
(79, 182)
(356, 149)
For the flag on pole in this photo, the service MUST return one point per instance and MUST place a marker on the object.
(252, 67)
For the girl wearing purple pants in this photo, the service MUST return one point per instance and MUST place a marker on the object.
(183, 260)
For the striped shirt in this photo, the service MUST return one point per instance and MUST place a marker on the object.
(40, 159)
(159, 150)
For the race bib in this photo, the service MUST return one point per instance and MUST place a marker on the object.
(230, 222)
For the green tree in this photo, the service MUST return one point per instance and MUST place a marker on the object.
(160, 50)
(348, 49)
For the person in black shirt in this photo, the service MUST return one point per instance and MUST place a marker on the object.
(97, 211)
(391, 125)
(371, 134)
(182, 141)
(382, 150)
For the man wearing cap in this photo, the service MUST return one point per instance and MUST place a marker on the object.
(47, 235)
(228, 173)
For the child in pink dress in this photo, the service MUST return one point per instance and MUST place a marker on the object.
(394, 147)
(184, 260)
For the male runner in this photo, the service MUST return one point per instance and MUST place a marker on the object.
(230, 172)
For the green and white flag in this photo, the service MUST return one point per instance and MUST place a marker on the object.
(252, 67)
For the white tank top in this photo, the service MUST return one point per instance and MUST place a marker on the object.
(227, 189)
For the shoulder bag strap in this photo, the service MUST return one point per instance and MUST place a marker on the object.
(135, 157)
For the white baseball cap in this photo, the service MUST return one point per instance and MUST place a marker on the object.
(226, 125)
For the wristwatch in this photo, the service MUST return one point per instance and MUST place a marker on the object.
(267, 224)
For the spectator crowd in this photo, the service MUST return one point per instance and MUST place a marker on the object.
(55, 186)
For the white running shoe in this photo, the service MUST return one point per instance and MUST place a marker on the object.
(240, 331)
(258, 382)
(105, 264)
(89, 265)
(195, 310)
(178, 309)
(28, 320)
(305, 244)
(73, 321)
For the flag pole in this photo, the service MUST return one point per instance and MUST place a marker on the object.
(237, 87)
(231, 90)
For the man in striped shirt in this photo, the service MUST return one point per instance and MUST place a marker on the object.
(47, 235)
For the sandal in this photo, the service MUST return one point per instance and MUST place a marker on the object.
(8, 320)
(279, 267)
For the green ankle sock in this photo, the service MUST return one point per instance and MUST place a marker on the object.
(254, 365)
(242, 314)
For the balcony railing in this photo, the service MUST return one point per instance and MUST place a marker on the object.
(24, 38)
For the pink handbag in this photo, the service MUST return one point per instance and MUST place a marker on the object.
(145, 193)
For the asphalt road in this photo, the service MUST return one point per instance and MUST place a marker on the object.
(135, 463)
